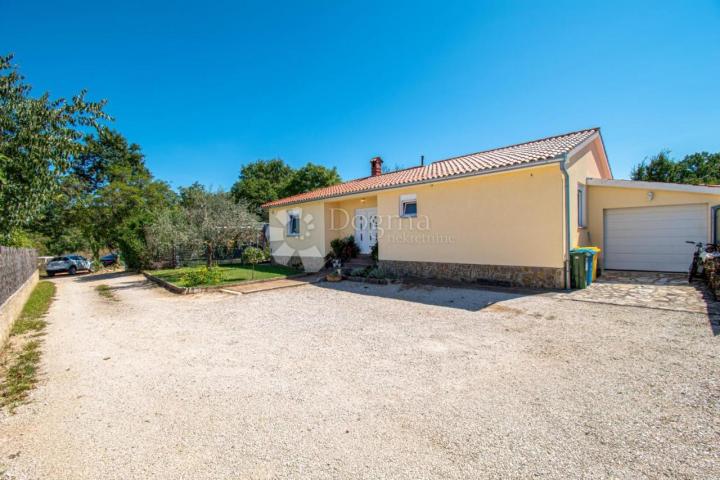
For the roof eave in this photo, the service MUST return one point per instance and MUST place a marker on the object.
(534, 164)
(635, 184)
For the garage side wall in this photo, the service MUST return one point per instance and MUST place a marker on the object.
(584, 164)
(602, 198)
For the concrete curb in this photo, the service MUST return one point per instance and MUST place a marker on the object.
(193, 290)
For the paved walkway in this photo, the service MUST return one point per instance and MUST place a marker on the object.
(664, 291)
(274, 284)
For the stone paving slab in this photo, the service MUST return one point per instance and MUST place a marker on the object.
(273, 284)
(664, 291)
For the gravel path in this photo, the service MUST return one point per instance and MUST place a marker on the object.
(362, 381)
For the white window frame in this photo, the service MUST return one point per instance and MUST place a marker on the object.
(406, 200)
(293, 215)
(582, 205)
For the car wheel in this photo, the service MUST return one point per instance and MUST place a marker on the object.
(72, 270)
(50, 274)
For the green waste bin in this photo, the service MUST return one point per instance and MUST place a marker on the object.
(591, 263)
(578, 268)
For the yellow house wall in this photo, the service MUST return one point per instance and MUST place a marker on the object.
(511, 218)
(339, 215)
(311, 241)
(583, 165)
(601, 198)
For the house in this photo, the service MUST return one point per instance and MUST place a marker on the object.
(507, 215)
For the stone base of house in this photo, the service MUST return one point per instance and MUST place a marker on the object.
(501, 275)
(308, 264)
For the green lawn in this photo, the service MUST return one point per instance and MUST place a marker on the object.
(233, 273)
(34, 310)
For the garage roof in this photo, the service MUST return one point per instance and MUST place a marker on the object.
(675, 187)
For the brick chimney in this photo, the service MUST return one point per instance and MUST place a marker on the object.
(376, 166)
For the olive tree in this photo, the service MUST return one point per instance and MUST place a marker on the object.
(215, 219)
(253, 256)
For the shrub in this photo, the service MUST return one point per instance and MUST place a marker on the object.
(343, 249)
(374, 252)
(133, 251)
(201, 276)
(358, 272)
(376, 273)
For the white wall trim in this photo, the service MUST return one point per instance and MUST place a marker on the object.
(670, 187)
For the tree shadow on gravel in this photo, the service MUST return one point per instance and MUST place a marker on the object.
(132, 280)
(103, 276)
(472, 298)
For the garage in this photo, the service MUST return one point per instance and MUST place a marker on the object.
(653, 238)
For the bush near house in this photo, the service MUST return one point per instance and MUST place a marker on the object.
(201, 276)
(376, 273)
(359, 272)
(343, 249)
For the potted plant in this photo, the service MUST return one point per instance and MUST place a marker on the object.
(336, 274)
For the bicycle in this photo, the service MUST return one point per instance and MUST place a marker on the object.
(696, 265)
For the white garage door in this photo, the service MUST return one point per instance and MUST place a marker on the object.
(653, 238)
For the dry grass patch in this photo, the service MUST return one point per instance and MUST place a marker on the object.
(106, 292)
(21, 356)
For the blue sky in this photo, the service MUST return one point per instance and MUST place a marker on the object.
(205, 87)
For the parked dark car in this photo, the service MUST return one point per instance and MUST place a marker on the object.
(69, 263)
(109, 259)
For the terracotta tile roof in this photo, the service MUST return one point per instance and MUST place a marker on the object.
(513, 155)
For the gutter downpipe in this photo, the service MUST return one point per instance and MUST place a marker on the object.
(566, 177)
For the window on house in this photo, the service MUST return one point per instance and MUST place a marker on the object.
(408, 206)
(716, 225)
(293, 225)
(582, 206)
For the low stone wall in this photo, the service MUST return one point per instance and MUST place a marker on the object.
(11, 308)
(501, 275)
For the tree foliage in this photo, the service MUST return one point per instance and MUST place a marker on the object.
(203, 221)
(39, 137)
(266, 180)
(104, 201)
(696, 169)
(253, 256)
(310, 177)
(261, 181)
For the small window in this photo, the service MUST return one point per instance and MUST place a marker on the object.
(293, 225)
(408, 206)
(716, 225)
(581, 206)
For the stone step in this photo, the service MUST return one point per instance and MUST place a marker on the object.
(359, 261)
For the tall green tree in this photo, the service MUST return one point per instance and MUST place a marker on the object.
(260, 182)
(696, 169)
(266, 180)
(39, 137)
(105, 200)
(700, 168)
(310, 177)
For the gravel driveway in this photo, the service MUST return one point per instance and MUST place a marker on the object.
(355, 381)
